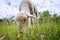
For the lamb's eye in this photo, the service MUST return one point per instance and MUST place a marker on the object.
(25, 19)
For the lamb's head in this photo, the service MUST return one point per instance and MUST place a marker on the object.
(24, 15)
(21, 16)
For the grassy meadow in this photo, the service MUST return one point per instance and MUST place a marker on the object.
(46, 28)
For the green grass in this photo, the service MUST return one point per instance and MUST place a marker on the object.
(50, 31)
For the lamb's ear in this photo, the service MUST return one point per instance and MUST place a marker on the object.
(31, 16)
(12, 20)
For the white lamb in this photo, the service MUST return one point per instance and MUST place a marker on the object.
(26, 13)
